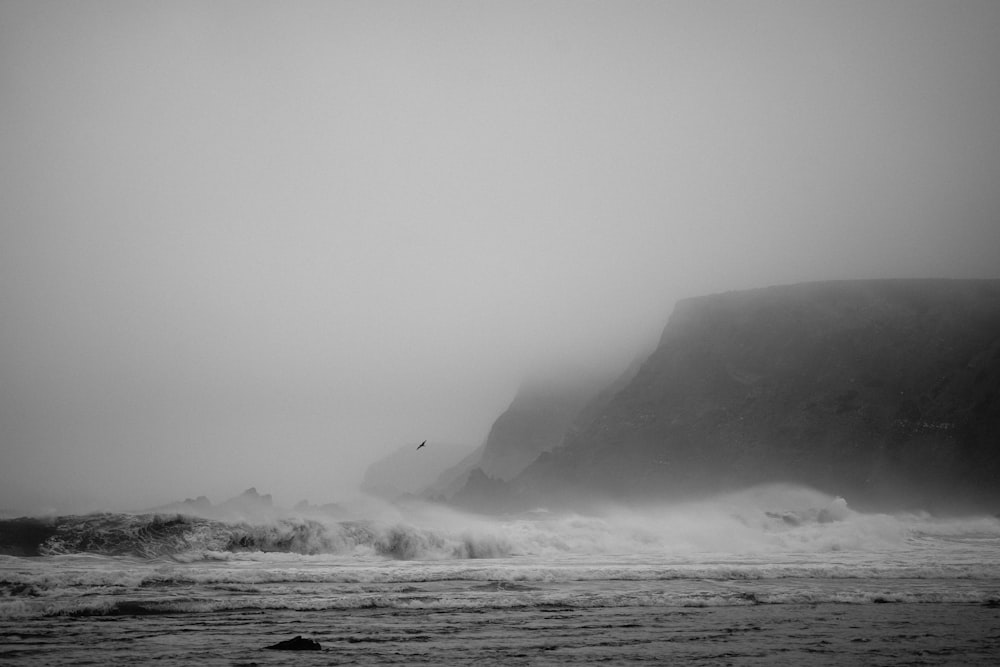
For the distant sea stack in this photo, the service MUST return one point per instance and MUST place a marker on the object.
(546, 408)
(537, 420)
(886, 392)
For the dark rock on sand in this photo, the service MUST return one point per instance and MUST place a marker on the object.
(296, 644)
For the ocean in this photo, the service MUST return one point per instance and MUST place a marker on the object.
(774, 575)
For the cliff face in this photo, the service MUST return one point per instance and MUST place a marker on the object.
(544, 410)
(536, 421)
(885, 392)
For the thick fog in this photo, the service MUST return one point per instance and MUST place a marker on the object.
(264, 244)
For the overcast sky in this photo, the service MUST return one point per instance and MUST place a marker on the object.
(263, 243)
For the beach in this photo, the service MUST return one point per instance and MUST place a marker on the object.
(820, 634)
(715, 583)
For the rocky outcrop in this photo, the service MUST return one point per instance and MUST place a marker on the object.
(297, 643)
(247, 505)
(453, 479)
(482, 493)
(542, 412)
(885, 392)
(544, 409)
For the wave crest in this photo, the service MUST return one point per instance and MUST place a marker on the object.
(763, 520)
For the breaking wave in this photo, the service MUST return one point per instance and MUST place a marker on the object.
(185, 537)
(766, 546)
(769, 519)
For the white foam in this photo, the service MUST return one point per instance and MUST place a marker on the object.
(765, 546)
(772, 519)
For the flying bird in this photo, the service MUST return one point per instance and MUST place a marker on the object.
(421, 444)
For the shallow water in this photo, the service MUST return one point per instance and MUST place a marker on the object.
(828, 633)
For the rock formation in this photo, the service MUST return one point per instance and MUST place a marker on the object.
(885, 392)
(544, 409)
(296, 644)
(536, 421)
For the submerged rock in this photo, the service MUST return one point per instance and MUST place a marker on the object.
(296, 644)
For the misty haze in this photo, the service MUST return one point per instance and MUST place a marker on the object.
(514, 332)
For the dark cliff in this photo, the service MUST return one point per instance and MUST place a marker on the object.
(536, 421)
(885, 392)
(544, 411)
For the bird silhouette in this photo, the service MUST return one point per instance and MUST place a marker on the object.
(421, 444)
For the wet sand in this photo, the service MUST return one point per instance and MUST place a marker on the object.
(792, 634)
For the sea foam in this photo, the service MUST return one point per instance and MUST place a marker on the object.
(764, 520)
